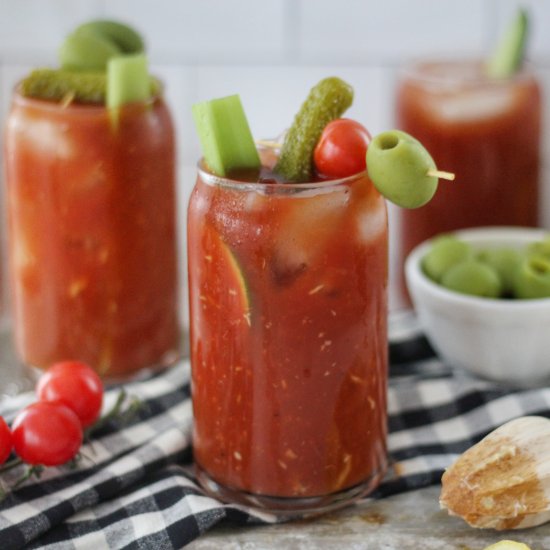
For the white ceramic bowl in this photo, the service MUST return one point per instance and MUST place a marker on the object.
(503, 340)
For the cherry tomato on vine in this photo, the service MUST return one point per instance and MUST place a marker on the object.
(76, 385)
(46, 433)
(342, 149)
(6, 441)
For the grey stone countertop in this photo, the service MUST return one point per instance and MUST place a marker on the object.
(403, 522)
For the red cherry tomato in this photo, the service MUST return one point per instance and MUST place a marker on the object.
(76, 385)
(342, 149)
(46, 433)
(6, 441)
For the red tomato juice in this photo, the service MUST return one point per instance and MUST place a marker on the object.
(288, 308)
(92, 237)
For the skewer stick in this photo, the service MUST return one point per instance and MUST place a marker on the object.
(441, 174)
(433, 173)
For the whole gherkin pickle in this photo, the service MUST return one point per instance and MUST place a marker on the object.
(80, 87)
(326, 101)
(56, 85)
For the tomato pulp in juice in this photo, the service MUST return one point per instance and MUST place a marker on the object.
(92, 237)
(486, 131)
(288, 297)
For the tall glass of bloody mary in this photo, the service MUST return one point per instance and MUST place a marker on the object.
(485, 130)
(92, 238)
(288, 308)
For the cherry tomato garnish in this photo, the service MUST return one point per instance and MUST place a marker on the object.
(46, 433)
(342, 149)
(6, 441)
(76, 385)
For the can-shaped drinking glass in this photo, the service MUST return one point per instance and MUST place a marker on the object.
(91, 204)
(485, 130)
(288, 319)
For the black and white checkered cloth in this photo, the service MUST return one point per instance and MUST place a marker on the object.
(136, 488)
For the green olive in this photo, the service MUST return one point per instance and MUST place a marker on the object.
(474, 278)
(445, 251)
(506, 262)
(398, 165)
(540, 248)
(533, 278)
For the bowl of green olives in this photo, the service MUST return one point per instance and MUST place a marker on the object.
(482, 296)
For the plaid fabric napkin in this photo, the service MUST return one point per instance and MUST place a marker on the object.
(136, 487)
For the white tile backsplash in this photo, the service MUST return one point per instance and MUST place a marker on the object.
(33, 29)
(271, 53)
(392, 30)
(207, 30)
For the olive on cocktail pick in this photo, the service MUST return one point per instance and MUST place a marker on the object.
(402, 170)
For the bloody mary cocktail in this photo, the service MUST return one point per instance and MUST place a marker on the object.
(288, 298)
(92, 239)
(486, 131)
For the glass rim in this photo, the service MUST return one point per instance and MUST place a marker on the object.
(272, 187)
(415, 70)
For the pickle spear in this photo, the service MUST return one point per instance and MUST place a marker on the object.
(326, 101)
(401, 169)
